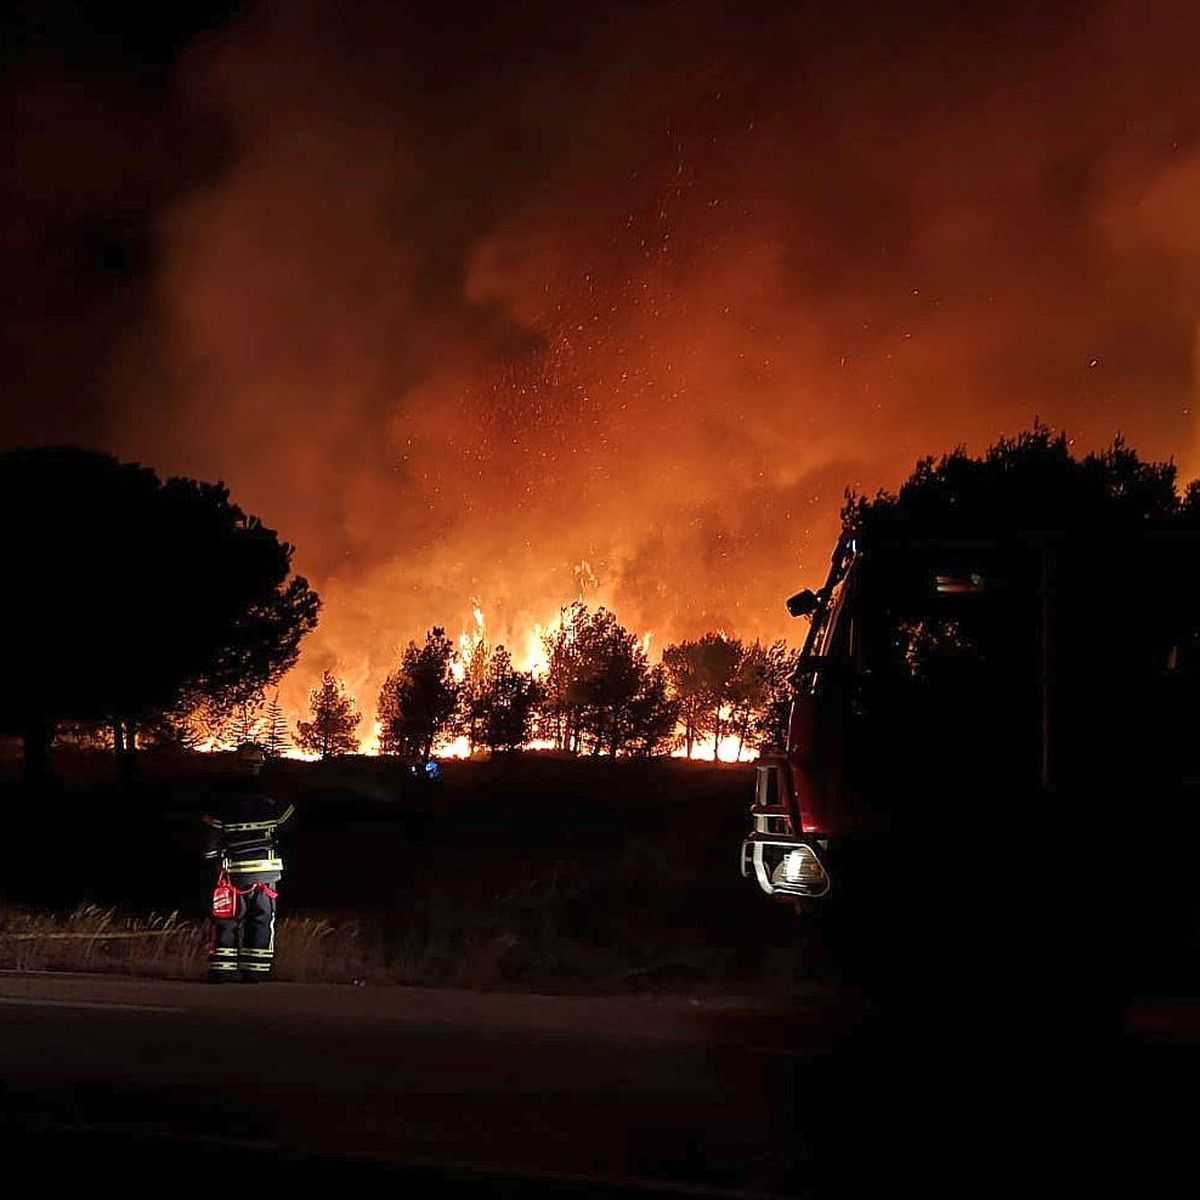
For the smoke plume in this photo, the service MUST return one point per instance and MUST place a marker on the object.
(617, 300)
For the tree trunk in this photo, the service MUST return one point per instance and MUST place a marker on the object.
(743, 729)
(717, 730)
(125, 743)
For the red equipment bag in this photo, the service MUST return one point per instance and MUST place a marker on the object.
(224, 899)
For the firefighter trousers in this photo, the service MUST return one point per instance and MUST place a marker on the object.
(244, 946)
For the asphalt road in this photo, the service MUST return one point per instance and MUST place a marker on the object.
(534, 1093)
(189, 1087)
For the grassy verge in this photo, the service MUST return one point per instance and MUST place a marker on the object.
(92, 938)
(535, 873)
(508, 951)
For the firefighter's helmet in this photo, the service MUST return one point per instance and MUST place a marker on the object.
(250, 755)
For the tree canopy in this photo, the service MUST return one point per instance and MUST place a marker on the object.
(505, 704)
(1089, 577)
(135, 593)
(600, 693)
(419, 700)
(333, 722)
(1028, 482)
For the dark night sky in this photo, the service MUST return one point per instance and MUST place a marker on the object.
(461, 297)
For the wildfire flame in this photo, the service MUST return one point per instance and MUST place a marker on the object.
(535, 660)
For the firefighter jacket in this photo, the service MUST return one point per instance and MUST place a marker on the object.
(242, 834)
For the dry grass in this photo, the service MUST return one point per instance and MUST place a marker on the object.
(523, 941)
(100, 939)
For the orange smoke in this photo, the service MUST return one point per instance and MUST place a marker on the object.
(621, 314)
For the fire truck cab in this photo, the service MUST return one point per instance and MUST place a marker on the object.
(951, 685)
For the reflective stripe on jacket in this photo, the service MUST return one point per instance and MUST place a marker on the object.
(243, 831)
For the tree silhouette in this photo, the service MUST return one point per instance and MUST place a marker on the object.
(129, 594)
(275, 740)
(597, 670)
(652, 719)
(770, 720)
(473, 699)
(564, 683)
(506, 704)
(725, 687)
(760, 694)
(615, 667)
(718, 659)
(418, 701)
(682, 664)
(332, 729)
(246, 720)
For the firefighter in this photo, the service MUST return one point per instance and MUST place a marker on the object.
(241, 835)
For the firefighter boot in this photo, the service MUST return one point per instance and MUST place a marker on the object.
(223, 964)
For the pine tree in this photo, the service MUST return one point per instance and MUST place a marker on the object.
(275, 732)
(334, 720)
(597, 670)
(653, 718)
(507, 702)
(418, 701)
(246, 721)
(704, 676)
(682, 664)
(473, 703)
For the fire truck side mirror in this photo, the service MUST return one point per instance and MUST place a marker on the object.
(802, 604)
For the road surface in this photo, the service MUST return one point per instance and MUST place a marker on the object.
(142, 1082)
(542, 1092)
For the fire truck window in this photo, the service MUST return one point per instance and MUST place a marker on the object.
(771, 800)
(924, 650)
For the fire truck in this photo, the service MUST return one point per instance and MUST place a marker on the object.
(1023, 692)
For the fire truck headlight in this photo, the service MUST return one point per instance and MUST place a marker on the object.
(800, 868)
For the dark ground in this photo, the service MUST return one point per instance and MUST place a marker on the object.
(990, 1071)
(629, 1091)
(539, 872)
(176, 1086)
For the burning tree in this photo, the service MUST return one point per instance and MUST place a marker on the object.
(728, 688)
(506, 704)
(682, 665)
(129, 595)
(473, 699)
(419, 700)
(653, 719)
(335, 720)
(760, 693)
(598, 684)
(498, 703)
(705, 673)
